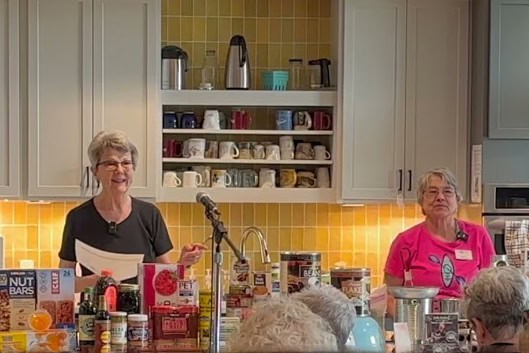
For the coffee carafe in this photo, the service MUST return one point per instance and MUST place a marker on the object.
(319, 73)
(174, 67)
(237, 75)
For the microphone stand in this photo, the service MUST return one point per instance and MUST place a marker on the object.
(219, 233)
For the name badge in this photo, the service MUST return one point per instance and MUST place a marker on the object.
(463, 254)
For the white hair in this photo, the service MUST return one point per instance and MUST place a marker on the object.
(283, 325)
(332, 305)
(499, 298)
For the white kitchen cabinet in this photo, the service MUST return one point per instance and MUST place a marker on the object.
(405, 94)
(9, 100)
(92, 66)
(509, 77)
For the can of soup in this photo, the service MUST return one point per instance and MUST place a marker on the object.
(299, 270)
(356, 284)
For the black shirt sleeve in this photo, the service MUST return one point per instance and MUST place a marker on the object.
(67, 251)
(162, 243)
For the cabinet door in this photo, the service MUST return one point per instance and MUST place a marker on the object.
(436, 89)
(125, 70)
(509, 77)
(9, 116)
(59, 97)
(373, 98)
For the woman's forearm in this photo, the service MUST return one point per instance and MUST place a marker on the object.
(82, 282)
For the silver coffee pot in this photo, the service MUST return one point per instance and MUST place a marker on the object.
(174, 67)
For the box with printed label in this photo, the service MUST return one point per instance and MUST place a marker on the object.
(159, 284)
(17, 299)
(41, 342)
(56, 294)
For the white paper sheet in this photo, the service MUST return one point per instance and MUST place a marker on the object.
(123, 266)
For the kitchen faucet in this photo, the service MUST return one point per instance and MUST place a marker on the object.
(265, 257)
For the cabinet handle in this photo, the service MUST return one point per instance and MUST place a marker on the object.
(87, 177)
(400, 180)
(409, 175)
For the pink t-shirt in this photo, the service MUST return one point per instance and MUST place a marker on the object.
(434, 263)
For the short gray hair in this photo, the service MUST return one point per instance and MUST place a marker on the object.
(283, 325)
(332, 305)
(499, 297)
(117, 140)
(445, 174)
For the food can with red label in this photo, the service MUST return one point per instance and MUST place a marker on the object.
(356, 284)
(299, 270)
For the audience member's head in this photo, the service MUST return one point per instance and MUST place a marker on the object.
(333, 306)
(496, 302)
(283, 325)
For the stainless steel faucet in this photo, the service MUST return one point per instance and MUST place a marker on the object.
(265, 257)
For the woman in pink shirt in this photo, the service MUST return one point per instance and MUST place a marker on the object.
(442, 251)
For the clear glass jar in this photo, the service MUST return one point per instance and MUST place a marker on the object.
(209, 71)
(295, 74)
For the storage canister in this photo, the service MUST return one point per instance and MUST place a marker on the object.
(118, 327)
(138, 330)
(299, 270)
(356, 284)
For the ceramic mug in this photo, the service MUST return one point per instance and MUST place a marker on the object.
(240, 120)
(212, 149)
(304, 150)
(245, 150)
(322, 121)
(228, 150)
(211, 120)
(249, 178)
(171, 180)
(235, 178)
(284, 120)
(191, 179)
(172, 149)
(267, 178)
(196, 148)
(321, 153)
(189, 120)
(273, 153)
(287, 178)
(258, 151)
(205, 172)
(220, 178)
(306, 180)
(302, 120)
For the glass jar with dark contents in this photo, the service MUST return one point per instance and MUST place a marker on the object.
(129, 299)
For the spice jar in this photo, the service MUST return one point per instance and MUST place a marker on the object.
(129, 299)
(118, 327)
(138, 330)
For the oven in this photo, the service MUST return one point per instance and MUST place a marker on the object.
(502, 204)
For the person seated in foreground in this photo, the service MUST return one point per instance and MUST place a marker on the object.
(283, 325)
(333, 306)
(496, 303)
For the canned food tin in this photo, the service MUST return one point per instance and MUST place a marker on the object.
(356, 284)
(299, 270)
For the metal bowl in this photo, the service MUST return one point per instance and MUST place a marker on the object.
(413, 292)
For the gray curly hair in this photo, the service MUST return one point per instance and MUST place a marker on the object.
(117, 140)
(499, 297)
(283, 325)
(332, 305)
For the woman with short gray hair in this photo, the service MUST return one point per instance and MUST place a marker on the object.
(496, 303)
(443, 251)
(113, 220)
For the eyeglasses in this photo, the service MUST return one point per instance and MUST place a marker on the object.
(432, 193)
(111, 165)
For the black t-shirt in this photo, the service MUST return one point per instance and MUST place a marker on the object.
(142, 232)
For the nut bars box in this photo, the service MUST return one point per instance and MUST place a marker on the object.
(159, 284)
(17, 298)
(56, 294)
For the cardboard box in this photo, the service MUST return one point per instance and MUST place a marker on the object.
(17, 298)
(56, 294)
(159, 285)
(42, 342)
(442, 333)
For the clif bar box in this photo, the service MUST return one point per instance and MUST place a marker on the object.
(56, 294)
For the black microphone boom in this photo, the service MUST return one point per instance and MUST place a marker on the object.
(207, 202)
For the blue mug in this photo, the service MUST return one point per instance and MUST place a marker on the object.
(284, 120)
(189, 120)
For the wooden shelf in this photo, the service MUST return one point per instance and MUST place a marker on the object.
(245, 161)
(250, 132)
(248, 98)
(250, 195)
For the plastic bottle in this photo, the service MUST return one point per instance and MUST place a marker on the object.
(108, 287)
(102, 327)
(276, 284)
(87, 314)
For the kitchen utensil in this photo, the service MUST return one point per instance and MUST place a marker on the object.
(237, 73)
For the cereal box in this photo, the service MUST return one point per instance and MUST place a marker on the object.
(159, 284)
(56, 294)
(17, 299)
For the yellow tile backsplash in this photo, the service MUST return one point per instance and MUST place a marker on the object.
(275, 31)
(360, 236)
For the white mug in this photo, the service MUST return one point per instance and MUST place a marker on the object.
(228, 150)
(258, 151)
(287, 153)
(196, 148)
(272, 153)
(220, 178)
(286, 142)
(192, 179)
(171, 180)
(323, 179)
(211, 120)
(321, 153)
(267, 178)
(205, 172)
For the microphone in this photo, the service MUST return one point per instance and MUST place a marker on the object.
(207, 202)
(112, 228)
